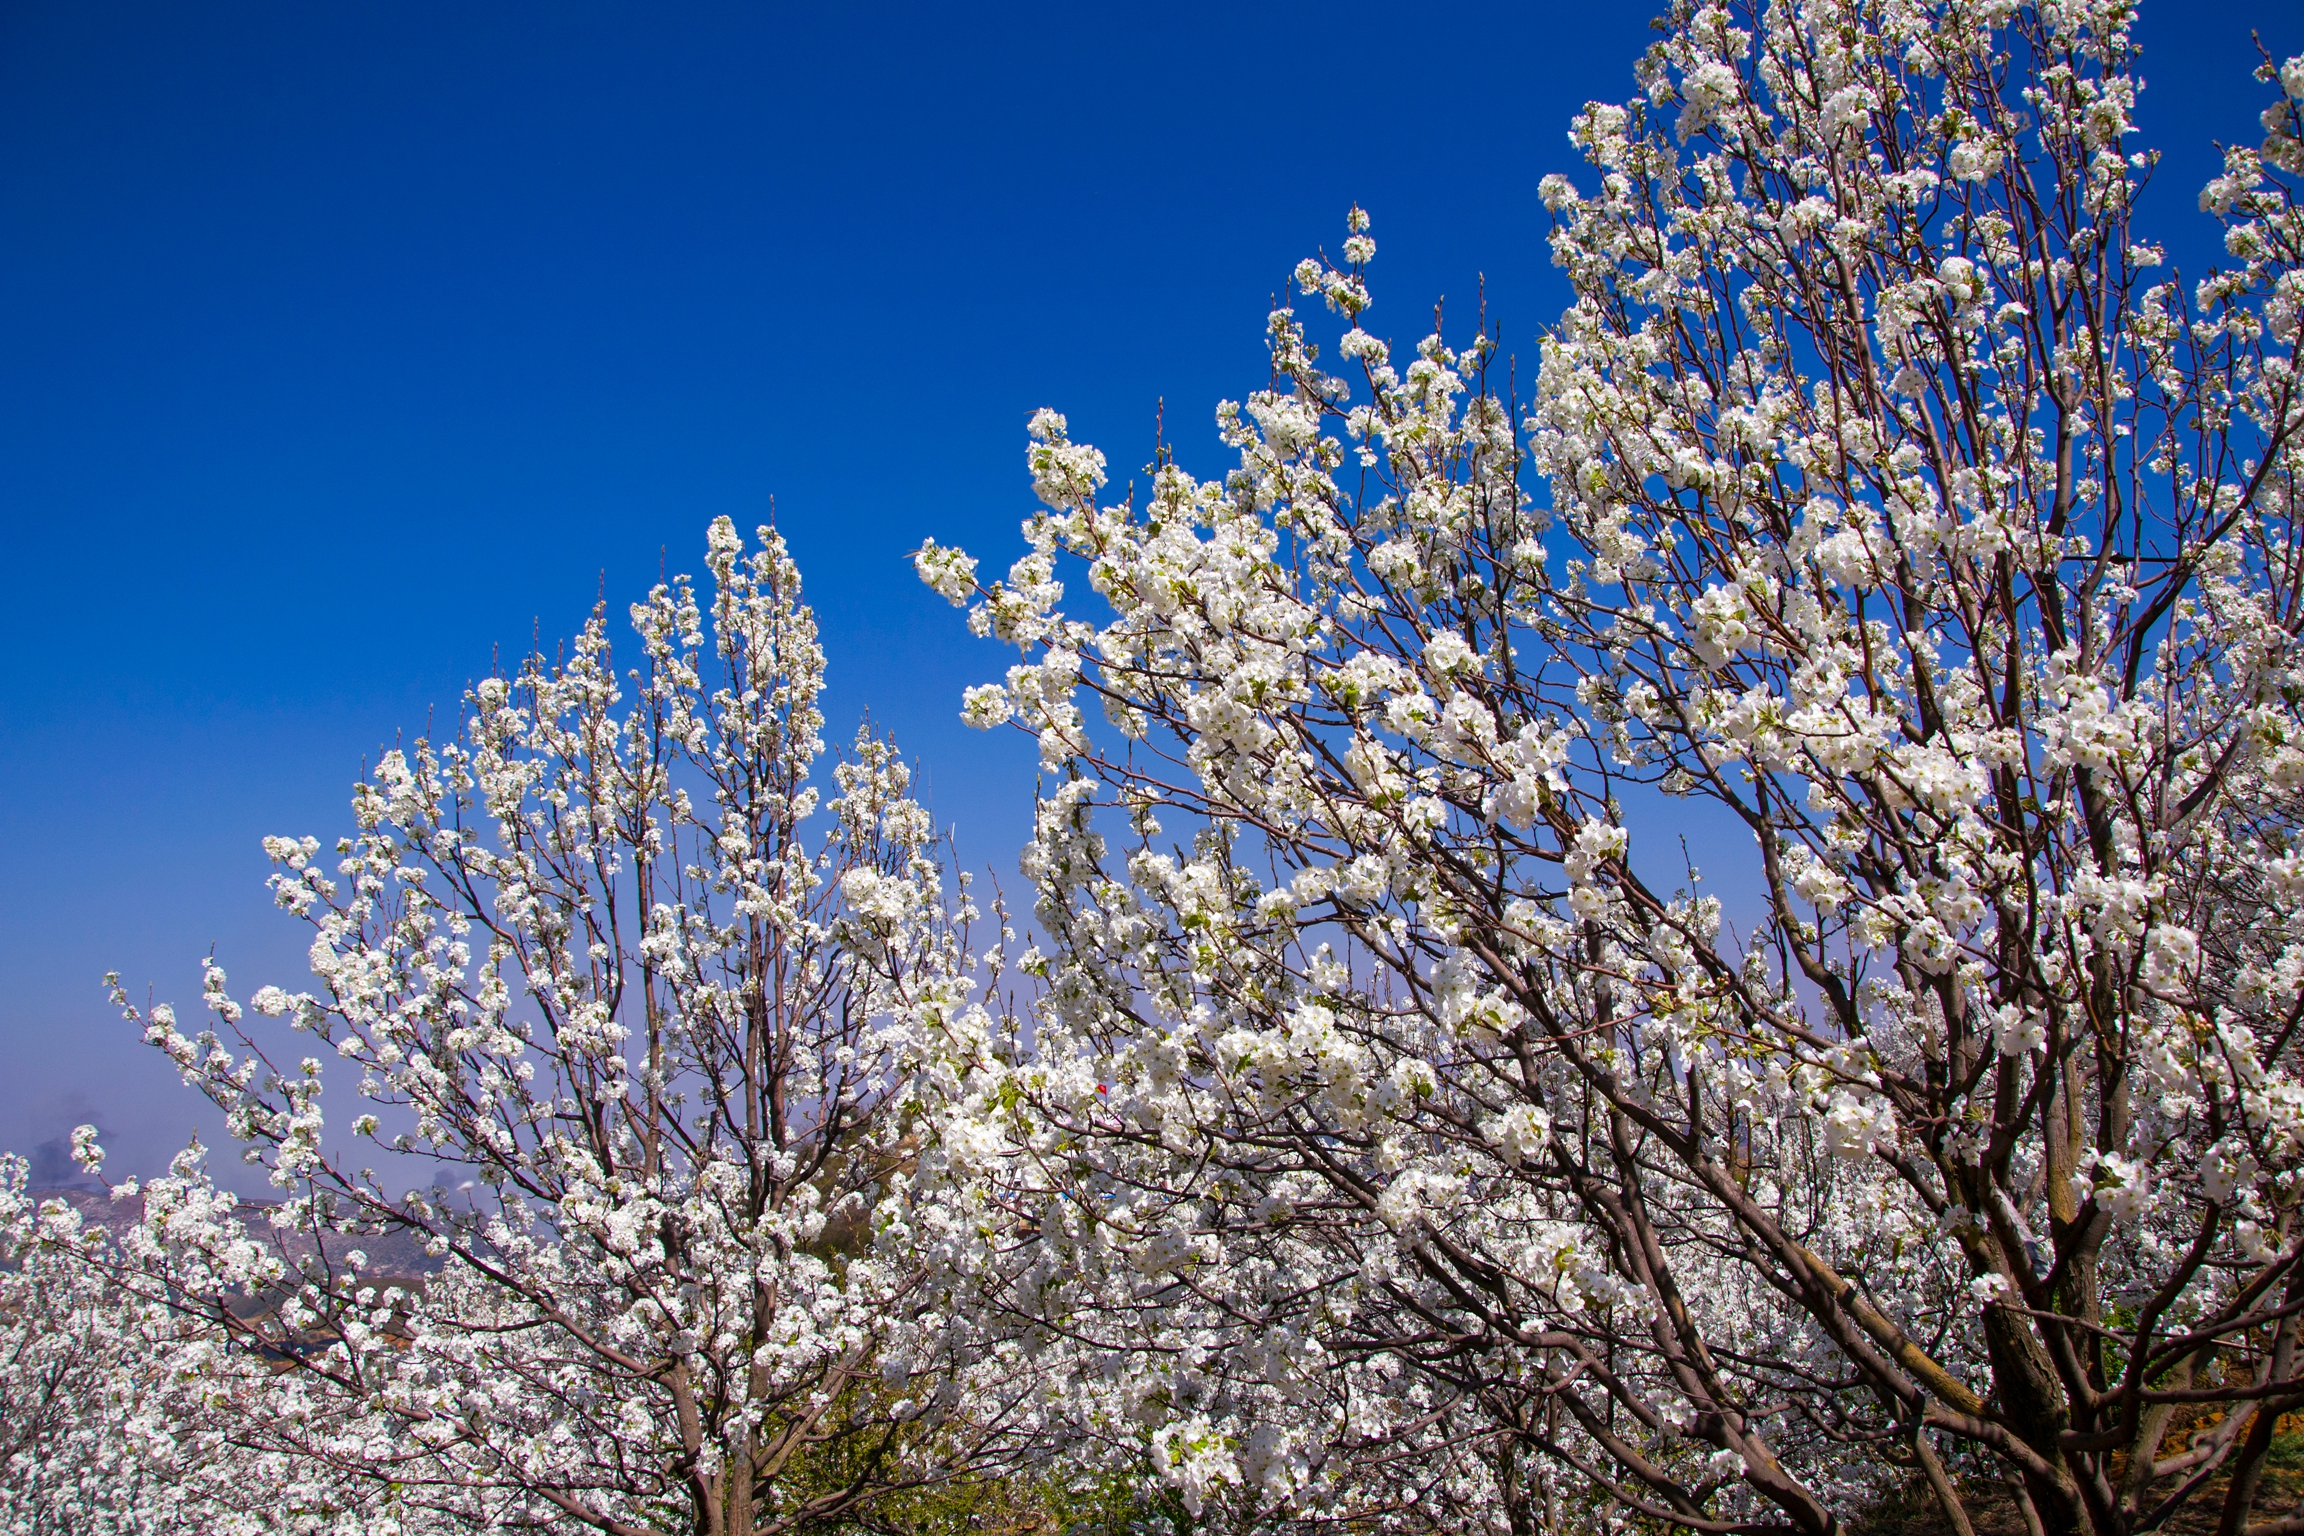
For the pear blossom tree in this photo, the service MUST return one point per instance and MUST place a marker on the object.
(1407, 1134)
(121, 1415)
(87, 1424)
(657, 1047)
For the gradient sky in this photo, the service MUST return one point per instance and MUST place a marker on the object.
(343, 343)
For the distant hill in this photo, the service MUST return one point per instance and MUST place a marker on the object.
(390, 1254)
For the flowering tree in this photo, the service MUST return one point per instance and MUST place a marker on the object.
(660, 1051)
(80, 1415)
(1410, 1134)
(125, 1416)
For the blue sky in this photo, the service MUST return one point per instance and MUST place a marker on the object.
(343, 343)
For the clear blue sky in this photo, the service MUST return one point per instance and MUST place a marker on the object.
(340, 343)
